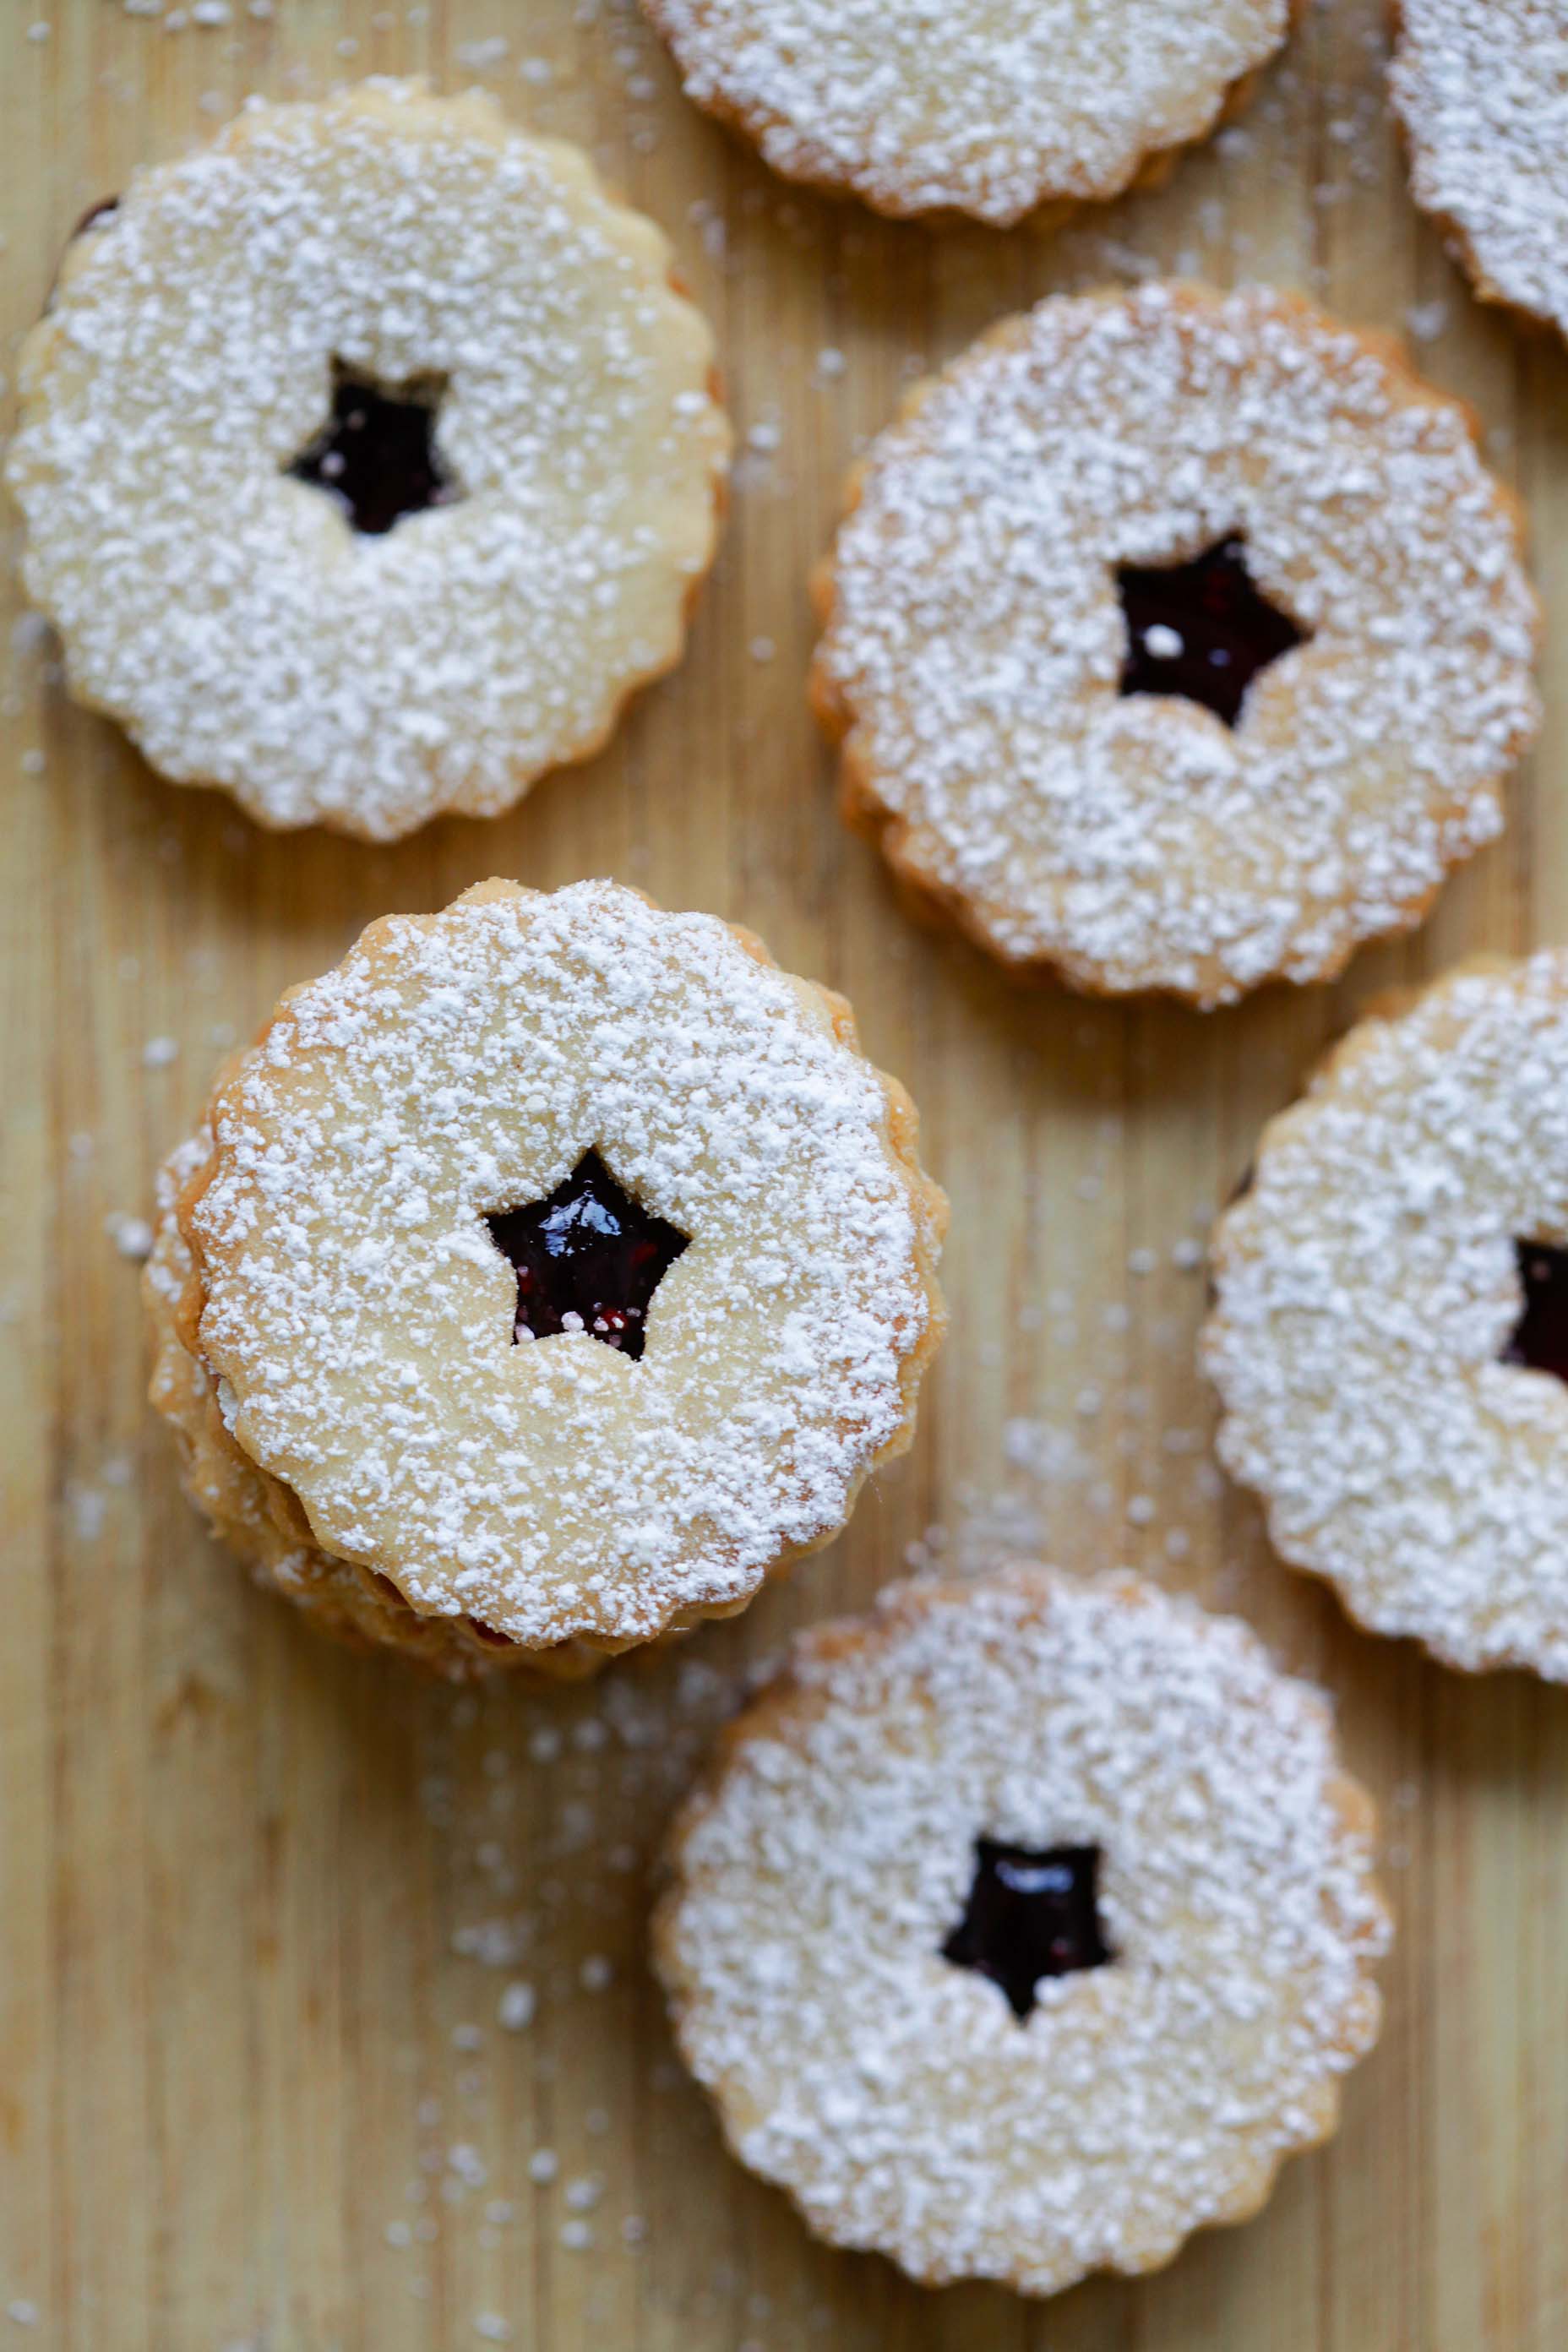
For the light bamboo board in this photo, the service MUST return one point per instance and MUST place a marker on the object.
(253, 2091)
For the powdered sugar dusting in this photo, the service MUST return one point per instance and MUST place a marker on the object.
(988, 106)
(975, 642)
(1482, 89)
(898, 2097)
(360, 1318)
(1367, 1286)
(226, 611)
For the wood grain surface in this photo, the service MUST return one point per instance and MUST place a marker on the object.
(259, 1900)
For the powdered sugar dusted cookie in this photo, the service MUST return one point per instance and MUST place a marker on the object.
(989, 107)
(556, 1263)
(370, 459)
(1482, 87)
(259, 1518)
(1177, 640)
(1390, 1332)
(1084, 1955)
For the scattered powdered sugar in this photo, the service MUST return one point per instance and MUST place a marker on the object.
(227, 612)
(1367, 1286)
(975, 641)
(132, 1236)
(515, 2009)
(1482, 89)
(495, 1943)
(1425, 322)
(987, 106)
(359, 1316)
(897, 2096)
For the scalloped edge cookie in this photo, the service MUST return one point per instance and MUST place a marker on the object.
(900, 2167)
(999, 187)
(403, 715)
(217, 1216)
(1011, 917)
(1426, 1546)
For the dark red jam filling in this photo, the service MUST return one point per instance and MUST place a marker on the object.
(1540, 1335)
(488, 1634)
(377, 454)
(396, 1600)
(587, 1259)
(1031, 1913)
(102, 211)
(1200, 629)
(94, 215)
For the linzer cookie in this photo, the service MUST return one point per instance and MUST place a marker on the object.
(1390, 1330)
(548, 1273)
(1024, 1927)
(1478, 85)
(986, 107)
(1177, 640)
(370, 458)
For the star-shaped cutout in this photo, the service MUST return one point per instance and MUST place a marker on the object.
(377, 454)
(1031, 1913)
(589, 1258)
(1200, 629)
(1540, 1338)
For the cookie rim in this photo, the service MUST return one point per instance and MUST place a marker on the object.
(1153, 169)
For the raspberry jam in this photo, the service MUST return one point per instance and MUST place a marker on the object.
(1031, 1913)
(105, 209)
(1200, 629)
(377, 454)
(587, 1259)
(1540, 1335)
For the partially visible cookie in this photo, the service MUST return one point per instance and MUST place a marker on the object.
(370, 458)
(554, 1265)
(1390, 1330)
(1023, 1928)
(1481, 88)
(1177, 640)
(987, 106)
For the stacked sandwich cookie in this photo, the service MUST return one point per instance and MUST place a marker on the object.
(545, 1275)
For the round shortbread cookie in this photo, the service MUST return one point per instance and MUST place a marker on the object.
(370, 458)
(1481, 88)
(987, 106)
(1082, 1955)
(1177, 640)
(385, 1291)
(1385, 1297)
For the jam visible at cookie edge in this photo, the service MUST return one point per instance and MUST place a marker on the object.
(1201, 630)
(1540, 1337)
(378, 454)
(1031, 1913)
(105, 209)
(589, 1258)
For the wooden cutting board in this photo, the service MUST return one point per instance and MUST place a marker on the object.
(261, 1900)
